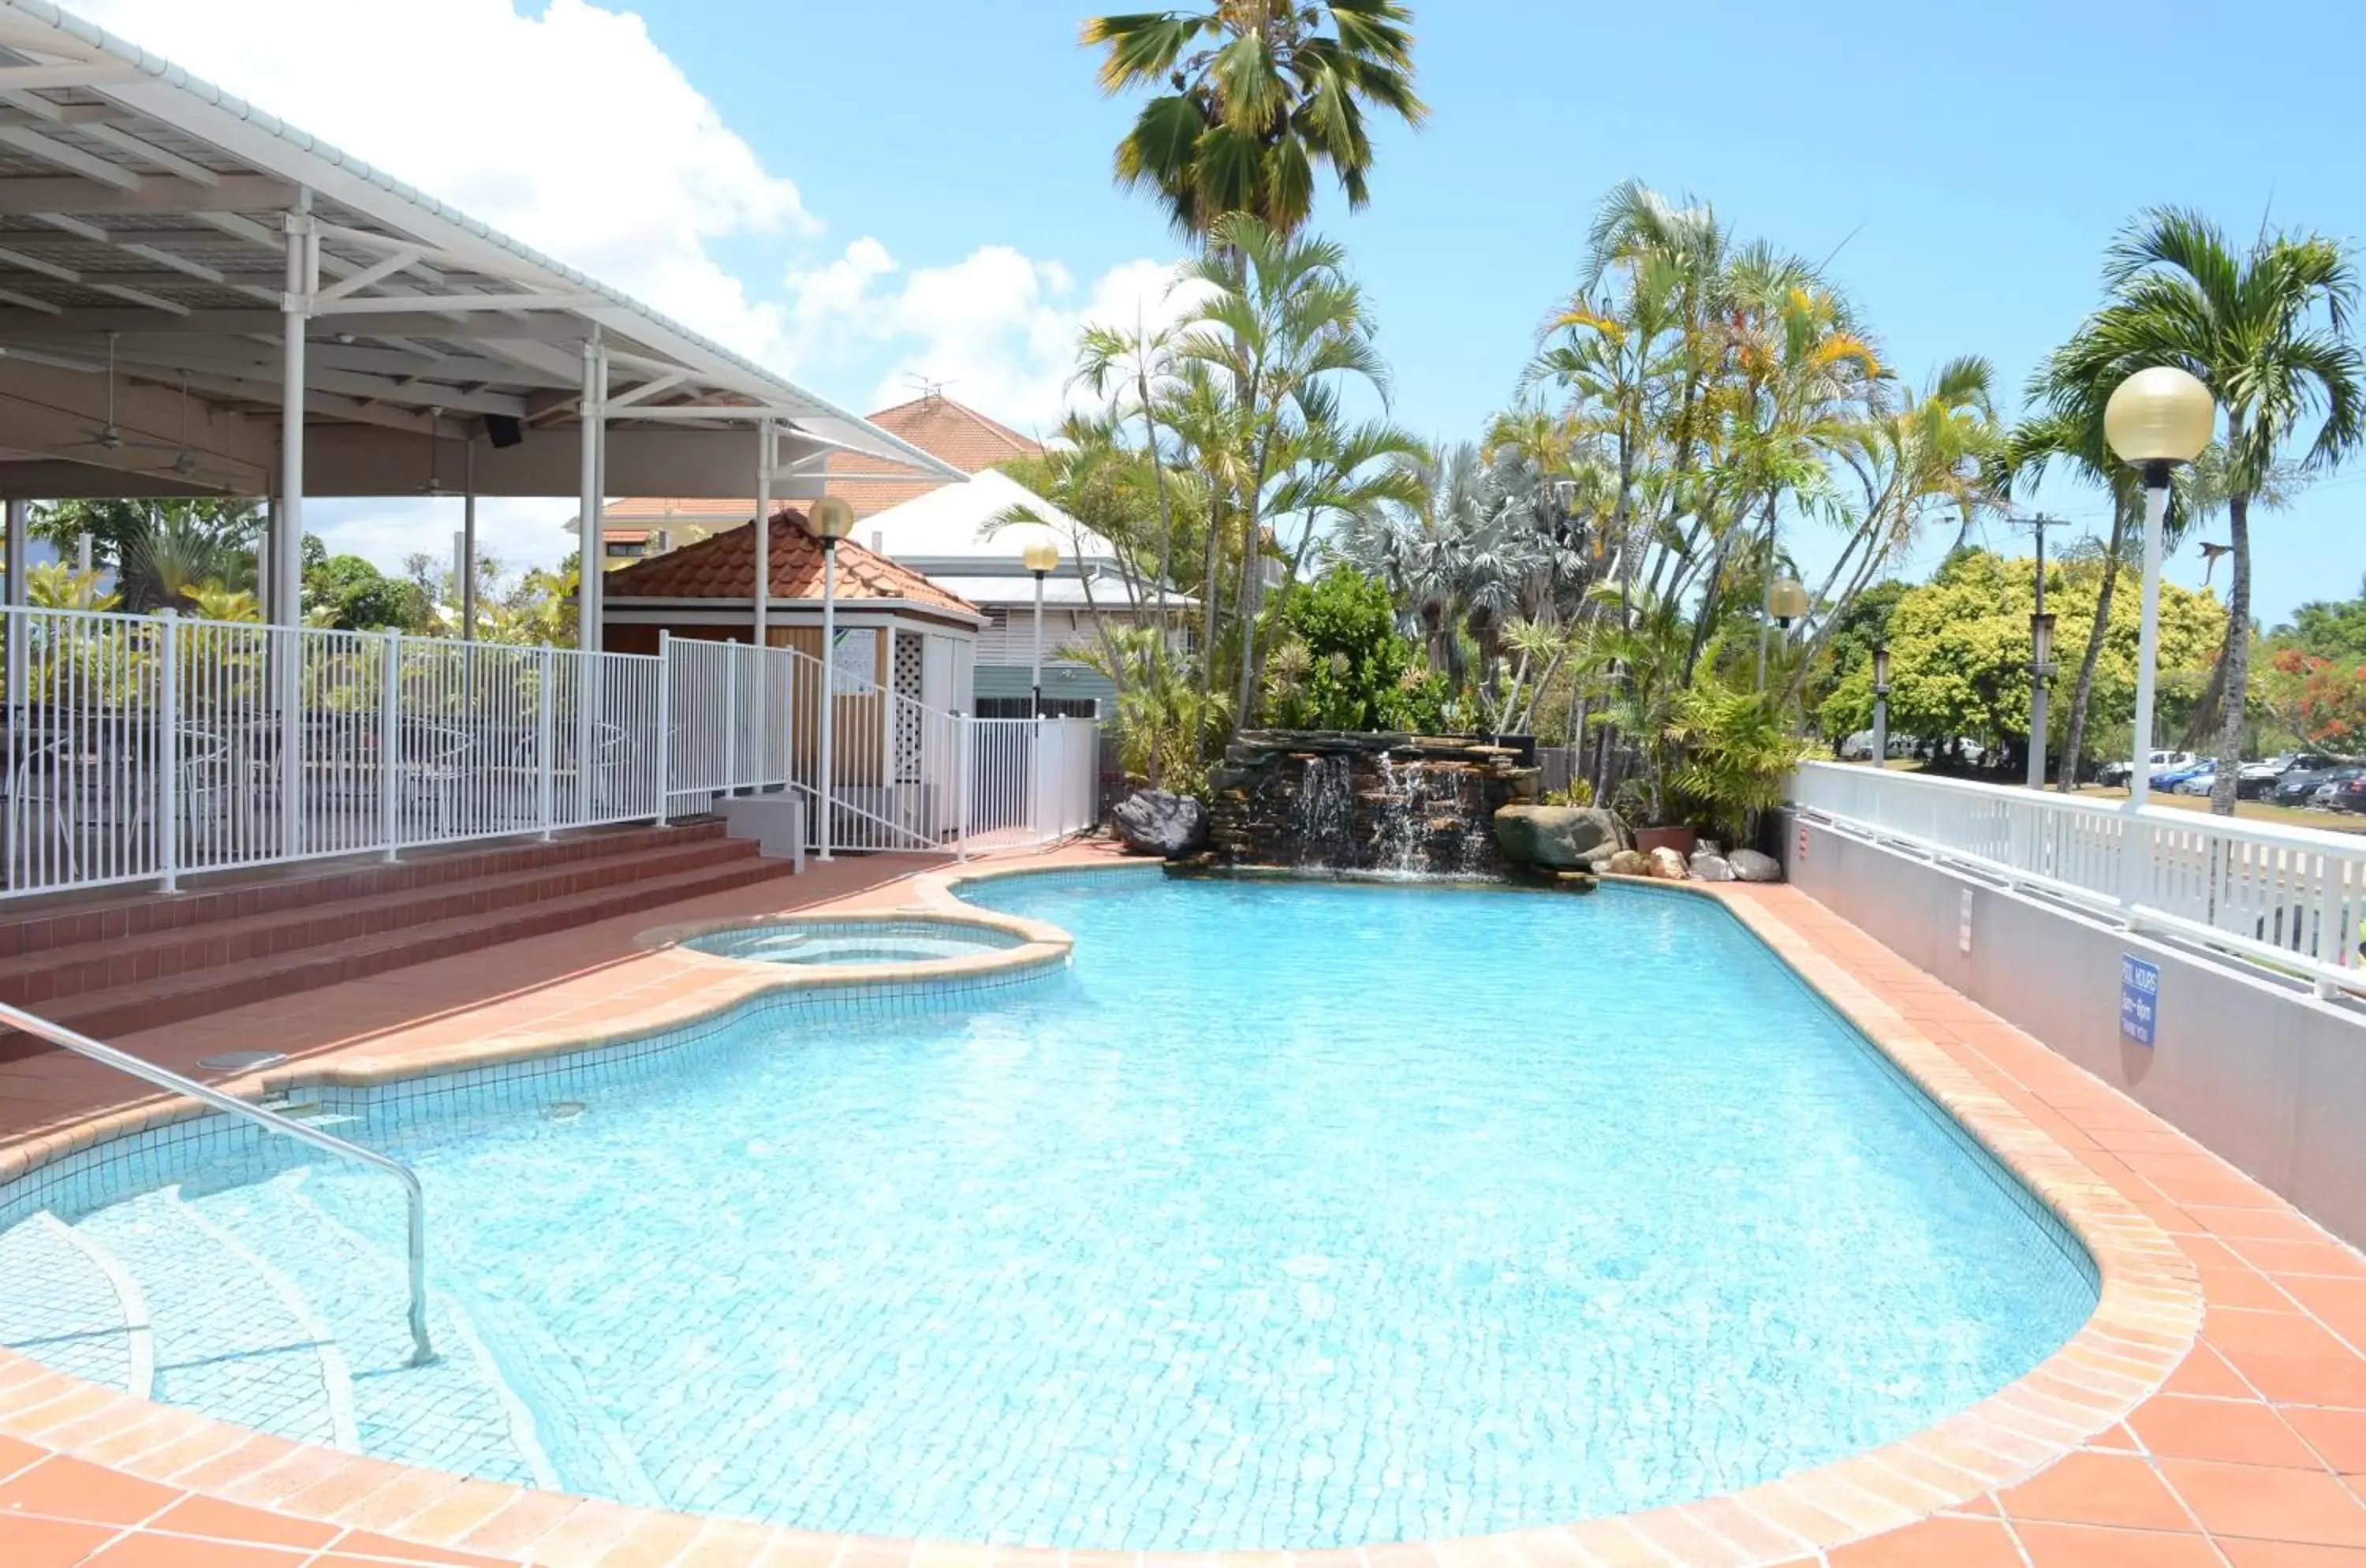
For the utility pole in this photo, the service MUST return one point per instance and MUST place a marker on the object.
(2041, 656)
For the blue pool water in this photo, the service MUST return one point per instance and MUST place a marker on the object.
(1292, 1215)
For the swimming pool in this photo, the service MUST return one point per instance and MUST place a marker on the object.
(1291, 1215)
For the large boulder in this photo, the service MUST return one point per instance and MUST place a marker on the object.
(1752, 866)
(1667, 865)
(1628, 863)
(1153, 822)
(1562, 838)
(1707, 865)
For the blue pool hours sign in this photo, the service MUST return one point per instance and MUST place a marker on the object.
(2139, 998)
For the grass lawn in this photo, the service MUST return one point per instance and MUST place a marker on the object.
(2250, 810)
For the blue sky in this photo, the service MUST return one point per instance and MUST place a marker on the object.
(864, 195)
(1967, 162)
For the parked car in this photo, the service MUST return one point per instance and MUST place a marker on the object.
(2296, 785)
(2349, 795)
(2257, 780)
(2322, 795)
(2202, 783)
(2170, 778)
(2118, 770)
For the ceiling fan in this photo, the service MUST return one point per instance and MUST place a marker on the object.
(108, 436)
(186, 462)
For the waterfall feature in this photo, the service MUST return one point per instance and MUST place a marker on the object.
(1326, 817)
(1430, 821)
(1387, 804)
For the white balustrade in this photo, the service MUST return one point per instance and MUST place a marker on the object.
(151, 748)
(2291, 897)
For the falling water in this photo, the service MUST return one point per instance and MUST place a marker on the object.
(1425, 825)
(1324, 818)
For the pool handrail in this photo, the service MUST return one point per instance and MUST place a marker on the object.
(58, 1034)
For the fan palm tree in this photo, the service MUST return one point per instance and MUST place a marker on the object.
(2267, 329)
(1255, 93)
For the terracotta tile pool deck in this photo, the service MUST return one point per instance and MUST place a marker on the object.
(2213, 1411)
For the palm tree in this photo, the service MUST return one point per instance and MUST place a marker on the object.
(1281, 319)
(2267, 329)
(1258, 92)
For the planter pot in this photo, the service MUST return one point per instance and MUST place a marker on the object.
(1680, 840)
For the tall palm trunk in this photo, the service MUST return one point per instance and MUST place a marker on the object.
(2236, 663)
(2076, 734)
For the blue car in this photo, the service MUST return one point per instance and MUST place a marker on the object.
(2170, 778)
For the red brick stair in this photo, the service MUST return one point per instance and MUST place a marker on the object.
(111, 965)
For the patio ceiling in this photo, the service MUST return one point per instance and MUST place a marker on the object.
(154, 233)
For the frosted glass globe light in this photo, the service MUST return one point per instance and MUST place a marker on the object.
(830, 518)
(1041, 555)
(2160, 416)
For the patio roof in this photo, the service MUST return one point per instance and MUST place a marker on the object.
(155, 237)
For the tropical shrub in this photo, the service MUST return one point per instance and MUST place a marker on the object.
(1341, 663)
(1737, 749)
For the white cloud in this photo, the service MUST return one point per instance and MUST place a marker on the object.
(997, 329)
(573, 131)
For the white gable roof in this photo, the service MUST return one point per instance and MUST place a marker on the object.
(955, 521)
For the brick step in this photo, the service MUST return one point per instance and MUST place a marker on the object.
(106, 1015)
(42, 979)
(112, 916)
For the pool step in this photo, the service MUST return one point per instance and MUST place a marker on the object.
(233, 1340)
(66, 1303)
(110, 971)
(456, 1414)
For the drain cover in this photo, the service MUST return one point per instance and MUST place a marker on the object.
(241, 1061)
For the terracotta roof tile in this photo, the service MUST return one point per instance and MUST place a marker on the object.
(724, 565)
(941, 427)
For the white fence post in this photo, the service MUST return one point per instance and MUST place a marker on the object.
(964, 738)
(546, 727)
(731, 720)
(390, 744)
(665, 723)
(168, 761)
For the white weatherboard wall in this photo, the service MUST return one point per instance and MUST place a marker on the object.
(2266, 1076)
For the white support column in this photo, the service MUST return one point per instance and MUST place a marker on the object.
(763, 529)
(468, 542)
(590, 546)
(303, 273)
(303, 279)
(19, 519)
(828, 687)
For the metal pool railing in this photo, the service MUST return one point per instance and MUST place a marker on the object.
(147, 748)
(422, 1349)
(2292, 899)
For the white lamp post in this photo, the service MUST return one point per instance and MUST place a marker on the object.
(829, 520)
(1787, 601)
(2155, 420)
(1881, 705)
(1040, 557)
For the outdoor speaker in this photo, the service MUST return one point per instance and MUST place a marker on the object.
(504, 430)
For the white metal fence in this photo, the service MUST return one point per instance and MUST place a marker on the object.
(2291, 897)
(141, 749)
